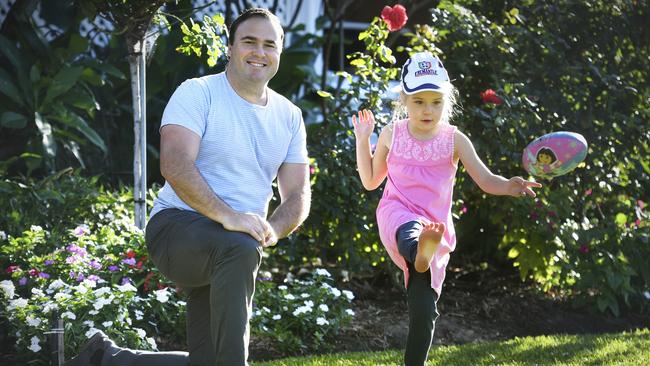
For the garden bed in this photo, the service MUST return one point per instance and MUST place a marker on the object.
(475, 306)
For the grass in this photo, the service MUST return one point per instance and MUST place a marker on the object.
(628, 348)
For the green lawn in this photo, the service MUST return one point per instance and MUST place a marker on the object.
(631, 348)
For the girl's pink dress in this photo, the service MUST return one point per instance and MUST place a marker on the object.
(419, 187)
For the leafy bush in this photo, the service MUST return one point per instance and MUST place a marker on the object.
(573, 66)
(300, 315)
(91, 268)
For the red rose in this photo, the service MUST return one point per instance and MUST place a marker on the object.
(489, 96)
(394, 17)
(130, 253)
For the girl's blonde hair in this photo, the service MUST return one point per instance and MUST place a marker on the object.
(450, 108)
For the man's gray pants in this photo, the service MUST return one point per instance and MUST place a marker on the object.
(217, 268)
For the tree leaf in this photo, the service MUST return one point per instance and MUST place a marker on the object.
(13, 120)
(65, 79)
(73, 120)
(324, 94)
(8, 88)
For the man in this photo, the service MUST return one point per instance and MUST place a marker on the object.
(224, 139)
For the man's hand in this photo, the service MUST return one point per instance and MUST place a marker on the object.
(271, 238)
(251, 224)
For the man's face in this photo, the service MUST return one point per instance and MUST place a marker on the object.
(255, 51)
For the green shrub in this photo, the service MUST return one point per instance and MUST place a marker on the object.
(573, 66)
(301, 315)
(91, 270)
(89, 266)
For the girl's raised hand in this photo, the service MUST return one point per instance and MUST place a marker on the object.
(364, 124)
(519, 187)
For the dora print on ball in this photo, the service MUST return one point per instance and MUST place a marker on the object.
(554, 154)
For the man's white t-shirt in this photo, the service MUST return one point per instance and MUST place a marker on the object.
(242, 144)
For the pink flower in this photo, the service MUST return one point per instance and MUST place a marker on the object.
(641, 204)
(463, 209)
(584, 249)
(312, 169)
(395, 17)
(490, 96)
(588, 192)
(637, 222)
(12, 269)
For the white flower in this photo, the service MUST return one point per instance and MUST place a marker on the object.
(90, 283)
(101, 302)
(326, 285)
(8, 288)
(322, 272)
(321, 321)
(301, 309)
(68, 315)
(309, 303)
(289, 297)
(37, 292)
(33, 322)
(35, 228)
(647, 295)
(162, 295)
(127, 287)
(107, 324)
(49, 306)
(277, 317)
(3, 235)
(102, 291)
(304, 295)
(138, 314)
(282, 287)
(141, 332)
(349, 312)
(91, 332)
(55, 285)
(348, 294)
(61, 296)
(81, 288)
(152, 343)
(181, 303)
(324, 307)
(93, 312)
(336, 292)
(34, 347)
(18, 303)
(89, 323)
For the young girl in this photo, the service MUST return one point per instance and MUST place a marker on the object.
(420, 155)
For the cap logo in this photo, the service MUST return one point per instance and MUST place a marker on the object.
(425, 69)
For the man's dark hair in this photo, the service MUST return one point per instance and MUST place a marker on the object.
(252, 13)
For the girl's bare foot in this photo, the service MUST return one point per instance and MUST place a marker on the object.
(427, 244)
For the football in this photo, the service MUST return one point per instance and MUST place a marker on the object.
(554, 154)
